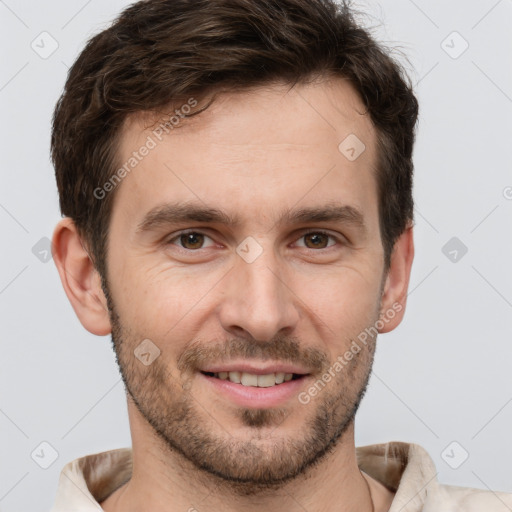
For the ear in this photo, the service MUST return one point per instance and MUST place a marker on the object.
(394, 294)
(81, 281)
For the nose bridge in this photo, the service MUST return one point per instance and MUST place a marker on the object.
(263, 284)
(258, 300)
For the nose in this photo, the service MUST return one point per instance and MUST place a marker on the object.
(257, 300)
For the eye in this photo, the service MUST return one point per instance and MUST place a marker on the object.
(191, 240)
(317, 240)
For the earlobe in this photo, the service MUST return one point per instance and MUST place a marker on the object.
(80, 279)
(394, 295)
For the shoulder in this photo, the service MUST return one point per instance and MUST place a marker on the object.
(408, 470)
(451, 498)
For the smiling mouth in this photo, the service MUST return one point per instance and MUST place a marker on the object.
(250, 379)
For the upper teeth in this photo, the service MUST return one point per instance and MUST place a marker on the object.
(250, 379)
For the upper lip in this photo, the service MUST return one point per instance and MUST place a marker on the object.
(263, 368)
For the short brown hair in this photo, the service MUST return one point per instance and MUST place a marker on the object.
(160, 52)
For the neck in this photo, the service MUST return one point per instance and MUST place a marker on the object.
(162, 481)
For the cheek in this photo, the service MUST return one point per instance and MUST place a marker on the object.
(342, 304)
(171, 305)
(161, 302)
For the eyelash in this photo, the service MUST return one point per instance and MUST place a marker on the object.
(312, 232)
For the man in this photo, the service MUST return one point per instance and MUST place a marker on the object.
(236, 181)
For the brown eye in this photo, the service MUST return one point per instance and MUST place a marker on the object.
(316, 240)
(192, 240)
(190, 244)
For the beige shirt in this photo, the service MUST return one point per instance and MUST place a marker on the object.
(405, 469)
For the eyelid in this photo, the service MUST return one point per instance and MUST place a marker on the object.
(338, 239)
(179, 234)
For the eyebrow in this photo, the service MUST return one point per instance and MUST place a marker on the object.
(174, 213)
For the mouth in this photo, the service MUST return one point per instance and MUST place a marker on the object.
(255, 384)
(266, 380)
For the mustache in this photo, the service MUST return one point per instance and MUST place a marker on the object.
(280, 348)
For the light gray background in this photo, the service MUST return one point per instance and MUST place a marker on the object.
(442, 376)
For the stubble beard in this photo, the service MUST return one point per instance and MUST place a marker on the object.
(267, 460)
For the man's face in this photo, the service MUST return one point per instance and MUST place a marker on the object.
(272, 293)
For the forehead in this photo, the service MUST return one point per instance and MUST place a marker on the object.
(256, 150)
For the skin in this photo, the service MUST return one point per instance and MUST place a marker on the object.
(304, 300)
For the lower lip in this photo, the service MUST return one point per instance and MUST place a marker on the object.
(255, 397)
